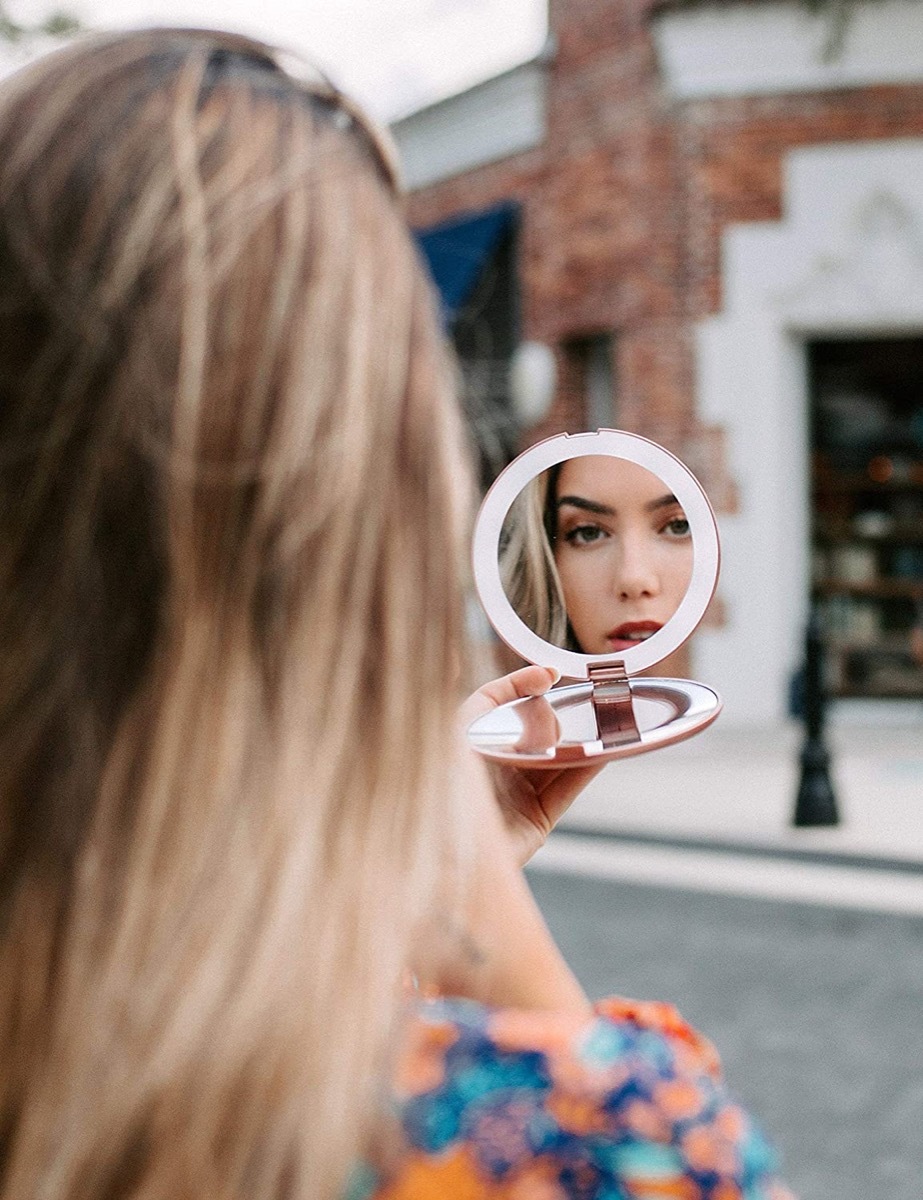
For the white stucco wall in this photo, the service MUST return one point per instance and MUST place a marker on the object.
(846, 258)
(752, 49)
(504, 116)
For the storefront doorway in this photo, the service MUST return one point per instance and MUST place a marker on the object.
(866, 439)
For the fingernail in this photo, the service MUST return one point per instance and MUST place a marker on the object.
(556, 673)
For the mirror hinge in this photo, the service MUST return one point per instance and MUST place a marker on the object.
(612, 704)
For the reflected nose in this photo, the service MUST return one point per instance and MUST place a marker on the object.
(636, 576)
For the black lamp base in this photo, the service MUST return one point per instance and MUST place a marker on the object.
(816, 803)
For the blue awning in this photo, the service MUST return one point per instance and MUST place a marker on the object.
(458, 250)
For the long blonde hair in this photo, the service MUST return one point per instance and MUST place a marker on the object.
(527, 565)
(231, 496)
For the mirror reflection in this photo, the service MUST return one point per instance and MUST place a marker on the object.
(596, 554)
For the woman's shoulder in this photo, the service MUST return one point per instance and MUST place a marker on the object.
(626, 1100)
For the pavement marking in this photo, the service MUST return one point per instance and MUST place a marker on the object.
(819, 852)
(734, 874)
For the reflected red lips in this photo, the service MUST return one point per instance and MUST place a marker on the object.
(631, 633)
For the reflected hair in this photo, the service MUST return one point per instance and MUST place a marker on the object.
(232, 498)
(527, 566)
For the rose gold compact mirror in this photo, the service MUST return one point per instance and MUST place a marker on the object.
(597, 554)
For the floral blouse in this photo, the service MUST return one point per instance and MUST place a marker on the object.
(516, 1105)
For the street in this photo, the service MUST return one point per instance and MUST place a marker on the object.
(817, 1013)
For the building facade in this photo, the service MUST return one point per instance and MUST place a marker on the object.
(720, 234)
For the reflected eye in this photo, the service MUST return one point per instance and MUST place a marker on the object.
(584, 535)
(677, 528)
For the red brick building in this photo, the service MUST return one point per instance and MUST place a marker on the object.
(721, 236)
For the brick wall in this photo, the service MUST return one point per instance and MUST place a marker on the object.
(624, 207)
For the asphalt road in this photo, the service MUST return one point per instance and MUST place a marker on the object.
(817, 1013)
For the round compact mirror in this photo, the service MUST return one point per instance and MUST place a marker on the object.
(597, 554)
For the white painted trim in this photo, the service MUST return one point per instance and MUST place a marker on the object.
(753, 49)
(847, 258)
(505, 115)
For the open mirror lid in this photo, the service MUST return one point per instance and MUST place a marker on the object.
(617, 444)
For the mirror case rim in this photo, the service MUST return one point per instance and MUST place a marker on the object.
(558, 449)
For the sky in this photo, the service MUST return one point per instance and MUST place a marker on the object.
(393, 55)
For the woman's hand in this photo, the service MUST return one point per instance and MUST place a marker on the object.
(531, 801)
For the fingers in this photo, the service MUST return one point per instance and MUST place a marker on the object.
(574, 779)
(556, 792)
(528, 681)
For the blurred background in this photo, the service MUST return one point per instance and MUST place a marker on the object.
(701, 222)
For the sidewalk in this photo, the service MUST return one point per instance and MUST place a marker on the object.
(737, 787)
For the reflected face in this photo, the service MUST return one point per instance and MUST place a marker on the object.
(623, 552)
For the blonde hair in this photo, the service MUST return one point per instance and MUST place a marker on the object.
(231, 500)
(527, 566)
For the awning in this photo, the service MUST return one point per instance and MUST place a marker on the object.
(458, 250)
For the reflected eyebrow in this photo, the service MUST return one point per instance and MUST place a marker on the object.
(663, 502)
(603, 510)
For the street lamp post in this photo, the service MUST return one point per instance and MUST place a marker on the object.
(815, 803)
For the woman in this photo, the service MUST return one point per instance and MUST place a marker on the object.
(597, 554)
(237, 820)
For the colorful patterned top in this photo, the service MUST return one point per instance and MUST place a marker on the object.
(516, 1105)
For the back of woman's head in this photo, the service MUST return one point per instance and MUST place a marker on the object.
(229, 510)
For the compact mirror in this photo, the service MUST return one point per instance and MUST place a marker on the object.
(597, 554)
